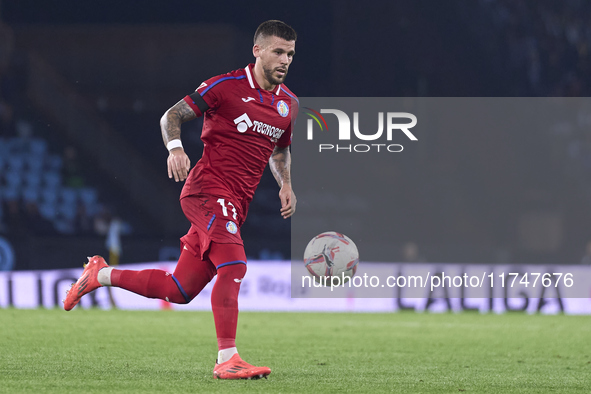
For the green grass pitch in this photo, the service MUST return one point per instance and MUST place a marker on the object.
(99, 351)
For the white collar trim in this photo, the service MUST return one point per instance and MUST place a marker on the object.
(249, 77)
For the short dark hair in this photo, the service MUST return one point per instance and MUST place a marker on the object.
(275, 28)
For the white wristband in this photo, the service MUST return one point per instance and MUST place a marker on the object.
(174, 144)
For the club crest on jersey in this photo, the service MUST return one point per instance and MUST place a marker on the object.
(231, 227)
(282, 108)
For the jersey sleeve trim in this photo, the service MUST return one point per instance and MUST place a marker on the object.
(283, 146)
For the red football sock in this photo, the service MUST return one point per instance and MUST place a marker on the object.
(224, 303)
(191, 273)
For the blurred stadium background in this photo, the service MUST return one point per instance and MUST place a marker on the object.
(83, 87)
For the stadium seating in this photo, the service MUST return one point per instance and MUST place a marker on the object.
(30, 174)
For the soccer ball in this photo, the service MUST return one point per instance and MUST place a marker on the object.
(329, 256)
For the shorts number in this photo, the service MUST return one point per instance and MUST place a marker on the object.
(225, 210)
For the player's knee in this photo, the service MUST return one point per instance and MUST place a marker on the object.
(177, 297)
(178, 294)
(233, 272)
(182, 301)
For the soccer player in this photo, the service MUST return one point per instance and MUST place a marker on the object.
(248, 115)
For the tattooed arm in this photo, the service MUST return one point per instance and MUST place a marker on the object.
(280, 164)
(170, 124)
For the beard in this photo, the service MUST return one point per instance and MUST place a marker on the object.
(271, 78)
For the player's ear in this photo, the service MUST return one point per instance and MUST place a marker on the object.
(256, 50)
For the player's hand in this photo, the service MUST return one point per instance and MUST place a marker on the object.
(178, 164)
(288, 201)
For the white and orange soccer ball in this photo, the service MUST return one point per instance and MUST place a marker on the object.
(331, 255)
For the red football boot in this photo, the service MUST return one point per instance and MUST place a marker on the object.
(236, 368)
(87, 282)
